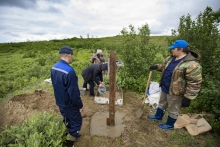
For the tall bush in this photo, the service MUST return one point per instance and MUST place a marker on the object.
(138, 55)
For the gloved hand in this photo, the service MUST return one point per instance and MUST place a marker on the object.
(98, 55)
(185, 102)
(93, 60)
(153, 67)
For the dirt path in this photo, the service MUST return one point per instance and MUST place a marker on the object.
(137, 133)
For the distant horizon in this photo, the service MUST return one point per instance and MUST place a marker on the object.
(77, 38)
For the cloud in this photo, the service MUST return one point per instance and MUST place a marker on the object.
(112, 16)
(11, 34)
(50, 19)
(18, 3)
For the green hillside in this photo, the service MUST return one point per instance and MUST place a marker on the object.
(26, 63)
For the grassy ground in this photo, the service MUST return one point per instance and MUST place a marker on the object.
(137, 132)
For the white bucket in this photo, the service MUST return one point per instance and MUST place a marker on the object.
(82, 91)
(102, 90)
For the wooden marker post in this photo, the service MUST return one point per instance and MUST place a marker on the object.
(112, 88)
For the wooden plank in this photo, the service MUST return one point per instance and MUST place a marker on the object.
(112, 88)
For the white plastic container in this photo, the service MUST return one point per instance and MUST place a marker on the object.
(82, 91)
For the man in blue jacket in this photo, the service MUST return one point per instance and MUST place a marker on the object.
(67, 94)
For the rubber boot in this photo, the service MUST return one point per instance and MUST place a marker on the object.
(169, 125)
(158, 116)
(70, 141)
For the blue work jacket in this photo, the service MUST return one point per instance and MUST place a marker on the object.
(65, 84)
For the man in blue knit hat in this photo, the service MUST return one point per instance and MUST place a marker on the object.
(67, 94)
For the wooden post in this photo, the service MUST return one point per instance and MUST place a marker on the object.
(112, 88)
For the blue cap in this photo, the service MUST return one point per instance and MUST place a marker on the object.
(179, 44)
(65, 50)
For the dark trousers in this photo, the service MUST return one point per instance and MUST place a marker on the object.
(91, 87)
(72, 119)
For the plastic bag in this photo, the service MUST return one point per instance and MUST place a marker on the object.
(195, 124)
(153, 88)
(153, 95)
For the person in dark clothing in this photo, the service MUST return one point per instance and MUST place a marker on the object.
(67, 94)
(90, 75)
(97, 58)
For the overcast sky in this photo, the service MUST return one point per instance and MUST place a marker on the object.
(33, 20)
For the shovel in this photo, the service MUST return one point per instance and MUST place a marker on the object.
(139, 112)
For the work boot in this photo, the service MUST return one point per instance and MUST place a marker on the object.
(70, 141)
(66, 132)
(169, 125)
(86, 88)
(158, 116)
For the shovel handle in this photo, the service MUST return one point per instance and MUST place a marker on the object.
(147, 86)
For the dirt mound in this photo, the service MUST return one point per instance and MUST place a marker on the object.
(15, 110)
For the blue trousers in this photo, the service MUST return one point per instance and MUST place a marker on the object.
(91, 87)
(72, 119)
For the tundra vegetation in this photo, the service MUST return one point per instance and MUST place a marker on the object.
(25, 65)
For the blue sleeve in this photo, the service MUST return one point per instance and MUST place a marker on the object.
(73, 89)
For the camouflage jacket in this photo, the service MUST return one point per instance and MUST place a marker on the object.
(187, 75)
(97, 60)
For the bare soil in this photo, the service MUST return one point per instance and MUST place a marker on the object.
(137, 133)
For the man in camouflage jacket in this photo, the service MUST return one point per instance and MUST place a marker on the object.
(181, 79)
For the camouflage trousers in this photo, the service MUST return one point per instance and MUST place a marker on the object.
(172, 103)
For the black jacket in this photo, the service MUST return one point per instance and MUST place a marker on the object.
(91, 72)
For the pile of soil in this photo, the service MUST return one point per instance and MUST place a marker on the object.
(18, 108)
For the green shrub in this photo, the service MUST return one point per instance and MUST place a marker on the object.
(139, 54)
(29, 55)
(42, 129)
